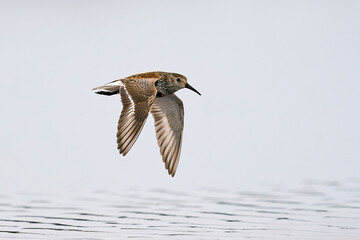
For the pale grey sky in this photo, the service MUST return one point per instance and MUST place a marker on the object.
(279, 83)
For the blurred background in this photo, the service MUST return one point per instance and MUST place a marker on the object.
(279, 83)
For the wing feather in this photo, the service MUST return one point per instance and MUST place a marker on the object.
(136, 105)
(168, 113)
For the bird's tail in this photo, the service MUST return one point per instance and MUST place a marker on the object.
(110, 88)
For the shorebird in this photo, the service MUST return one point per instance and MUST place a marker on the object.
(150, 92)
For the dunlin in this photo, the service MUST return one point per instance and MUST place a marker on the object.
(154, 92)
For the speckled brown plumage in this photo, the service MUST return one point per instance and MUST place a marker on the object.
(151, 92)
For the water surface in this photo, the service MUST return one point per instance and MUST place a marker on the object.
(313, 210)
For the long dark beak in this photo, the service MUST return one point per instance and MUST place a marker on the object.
(191, 88)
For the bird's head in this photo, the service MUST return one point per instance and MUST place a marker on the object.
(179, 81)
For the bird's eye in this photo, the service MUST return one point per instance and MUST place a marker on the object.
(178, 79)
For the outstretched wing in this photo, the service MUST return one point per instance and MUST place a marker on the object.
(168, 113)
(137, 96)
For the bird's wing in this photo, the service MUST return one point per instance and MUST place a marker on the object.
(168, 113)
(137, 96)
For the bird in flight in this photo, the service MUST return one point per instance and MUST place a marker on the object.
(151, 92)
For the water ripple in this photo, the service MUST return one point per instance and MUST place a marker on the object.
(316, 210)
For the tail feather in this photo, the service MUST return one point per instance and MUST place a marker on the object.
(109, 88)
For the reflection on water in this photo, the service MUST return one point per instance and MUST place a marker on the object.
(312, 211)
